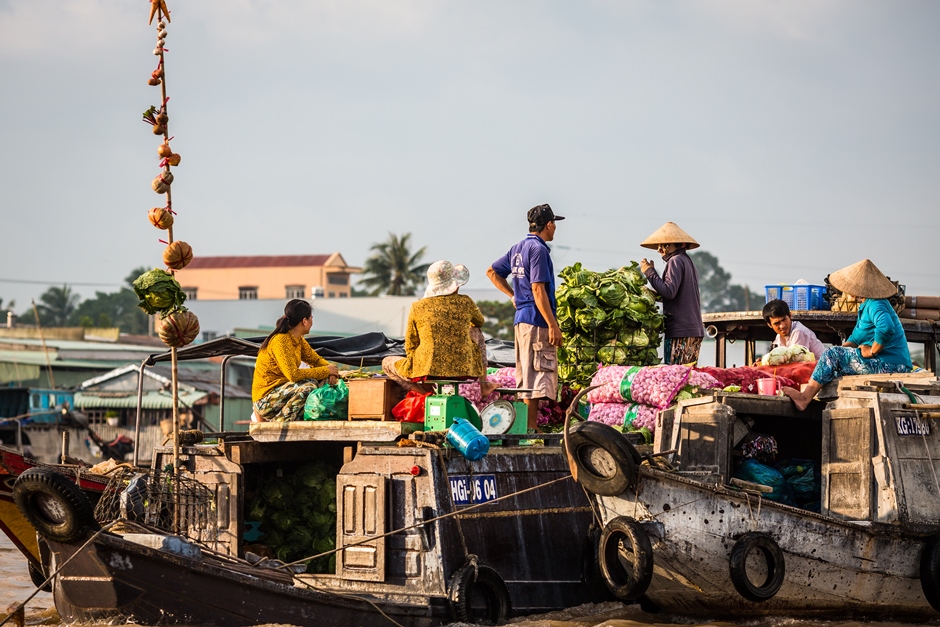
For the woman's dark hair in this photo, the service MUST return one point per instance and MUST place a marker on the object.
(775, 309)
(294, 312)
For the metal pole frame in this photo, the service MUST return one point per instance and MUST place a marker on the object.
(140, 401)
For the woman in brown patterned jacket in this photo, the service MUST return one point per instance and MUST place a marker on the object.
(443, 338)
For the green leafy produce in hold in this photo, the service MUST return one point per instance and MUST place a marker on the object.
(159, 292)
(297, 512)
(606, 317)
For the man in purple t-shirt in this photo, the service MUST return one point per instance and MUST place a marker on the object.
(537, 333)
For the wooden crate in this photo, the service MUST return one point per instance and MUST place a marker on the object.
(373, 399)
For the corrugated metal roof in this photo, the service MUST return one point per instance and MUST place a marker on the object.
(77, 345)
(257, 261)
(150, 400)
(37, 358)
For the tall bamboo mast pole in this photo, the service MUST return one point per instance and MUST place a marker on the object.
(174, 362)
(161, 15)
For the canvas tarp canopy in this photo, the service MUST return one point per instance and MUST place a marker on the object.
(368, 349)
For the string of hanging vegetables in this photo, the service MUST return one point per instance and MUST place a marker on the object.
(159, 292)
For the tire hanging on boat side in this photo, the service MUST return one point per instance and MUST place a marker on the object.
(625, 556)
(477, 594)
(607, 463)
(54, 505)
(930, 571)
(737, 564)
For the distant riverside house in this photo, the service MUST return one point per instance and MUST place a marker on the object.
(267, 277)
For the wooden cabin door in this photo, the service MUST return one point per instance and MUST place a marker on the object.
(361, 518)
(846, 463)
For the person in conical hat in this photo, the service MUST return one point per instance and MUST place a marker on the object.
(877, 345)
(678, 287)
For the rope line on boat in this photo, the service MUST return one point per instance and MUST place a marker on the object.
(750, 511)
(22, 606)
(597, 514)
(425, 522)
(916, 399)
(463, 539)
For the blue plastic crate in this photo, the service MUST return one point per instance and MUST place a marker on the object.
(779, 292)
(798, 297)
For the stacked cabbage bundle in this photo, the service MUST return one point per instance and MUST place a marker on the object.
(609, 318)
(297, 512)
(629, 397)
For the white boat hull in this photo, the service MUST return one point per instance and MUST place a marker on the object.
(832, 568)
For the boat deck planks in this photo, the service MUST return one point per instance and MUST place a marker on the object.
(335, 430)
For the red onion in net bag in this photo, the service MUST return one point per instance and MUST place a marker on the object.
(608, 377)
(632, 415)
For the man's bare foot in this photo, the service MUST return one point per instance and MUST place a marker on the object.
(487, 388)
(797, 397)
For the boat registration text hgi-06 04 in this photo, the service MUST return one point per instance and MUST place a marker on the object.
(912, 425)
(468, 489)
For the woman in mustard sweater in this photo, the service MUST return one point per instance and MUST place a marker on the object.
(287, 369)
(443, 338)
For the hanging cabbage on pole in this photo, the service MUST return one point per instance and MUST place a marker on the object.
(609, 318)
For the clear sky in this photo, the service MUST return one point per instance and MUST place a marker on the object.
(790, 138)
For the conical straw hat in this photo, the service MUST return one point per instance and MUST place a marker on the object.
(669, 233)
(863, 279)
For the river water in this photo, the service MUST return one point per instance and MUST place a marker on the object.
(15, 586)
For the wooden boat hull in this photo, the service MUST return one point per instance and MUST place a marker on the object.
(113, 579)
(833, 568)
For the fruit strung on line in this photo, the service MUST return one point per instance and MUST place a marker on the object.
(160, 218)
(179, 328)
(177, 255)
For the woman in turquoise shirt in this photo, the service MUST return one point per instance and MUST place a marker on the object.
(877, 344)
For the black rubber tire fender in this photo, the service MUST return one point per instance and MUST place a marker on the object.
(54, 505)
(776, 566)
(607, 463)
(476, 585)
(627, 582)
(930, 571)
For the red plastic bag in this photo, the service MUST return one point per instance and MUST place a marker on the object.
(410, 408)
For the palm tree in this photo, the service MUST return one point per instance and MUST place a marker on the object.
(57, 304)
(394, 269)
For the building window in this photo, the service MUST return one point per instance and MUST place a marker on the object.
(332, 295)
(343, 295)
(248, 293)
(190, 292)
(296, 291)
(208, 336)
(337, 279)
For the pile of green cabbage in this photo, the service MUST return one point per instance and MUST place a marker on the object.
(608, 318)
(297, 512)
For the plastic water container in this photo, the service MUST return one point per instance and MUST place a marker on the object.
(467, 439)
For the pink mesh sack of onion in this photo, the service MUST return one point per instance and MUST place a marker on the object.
(505, 377)
(656, 386)
(633, 416)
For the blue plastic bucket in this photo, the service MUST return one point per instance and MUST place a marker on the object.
(467, 439)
